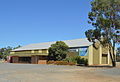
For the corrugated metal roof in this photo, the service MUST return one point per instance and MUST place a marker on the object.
(46, 45)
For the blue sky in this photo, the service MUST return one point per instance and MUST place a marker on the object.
(24, 22)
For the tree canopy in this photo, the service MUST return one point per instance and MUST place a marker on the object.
(105, 18)
(58, 51)
(6, 51)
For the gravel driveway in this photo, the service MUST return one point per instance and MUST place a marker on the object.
(52, 73)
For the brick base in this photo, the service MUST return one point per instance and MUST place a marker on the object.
(42, 61)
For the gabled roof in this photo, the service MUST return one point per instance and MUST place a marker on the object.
(71, 43)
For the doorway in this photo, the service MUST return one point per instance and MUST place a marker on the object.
(104, 59)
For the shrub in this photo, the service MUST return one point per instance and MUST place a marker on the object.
(86, 62)
(61, 63)
(50, 62)
(82, 61)
(77, 60)
(73, 59)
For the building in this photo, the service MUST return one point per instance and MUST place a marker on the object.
(38, 53)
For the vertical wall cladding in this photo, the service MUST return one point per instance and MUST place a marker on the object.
(96, 58)
(90, 55)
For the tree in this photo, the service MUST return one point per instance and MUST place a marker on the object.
(58, 51)
(1, 53)
(17, 47)
(5, 52)
(105, 18)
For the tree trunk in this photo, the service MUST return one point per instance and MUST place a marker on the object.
(111, 57)
(112, 54)
(114, 58)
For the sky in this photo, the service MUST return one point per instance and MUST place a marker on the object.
(24, 22)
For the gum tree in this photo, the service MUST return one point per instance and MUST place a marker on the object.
(105, 19)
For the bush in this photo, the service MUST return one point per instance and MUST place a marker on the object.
(50, 62)
(77, 60)
(82, 61)
(72, 59)
(61, 63)
(86, 62)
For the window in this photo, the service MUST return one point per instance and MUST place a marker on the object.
(83, 51)
(25, 59)
(73, 50)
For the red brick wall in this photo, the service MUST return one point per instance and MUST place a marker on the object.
(42, 61)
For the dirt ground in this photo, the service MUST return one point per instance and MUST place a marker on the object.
(53, 73)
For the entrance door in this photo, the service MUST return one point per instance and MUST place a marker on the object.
(104, 59)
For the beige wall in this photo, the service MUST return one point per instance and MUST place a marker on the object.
(95, 55)
(90, 55)
(96, 58)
